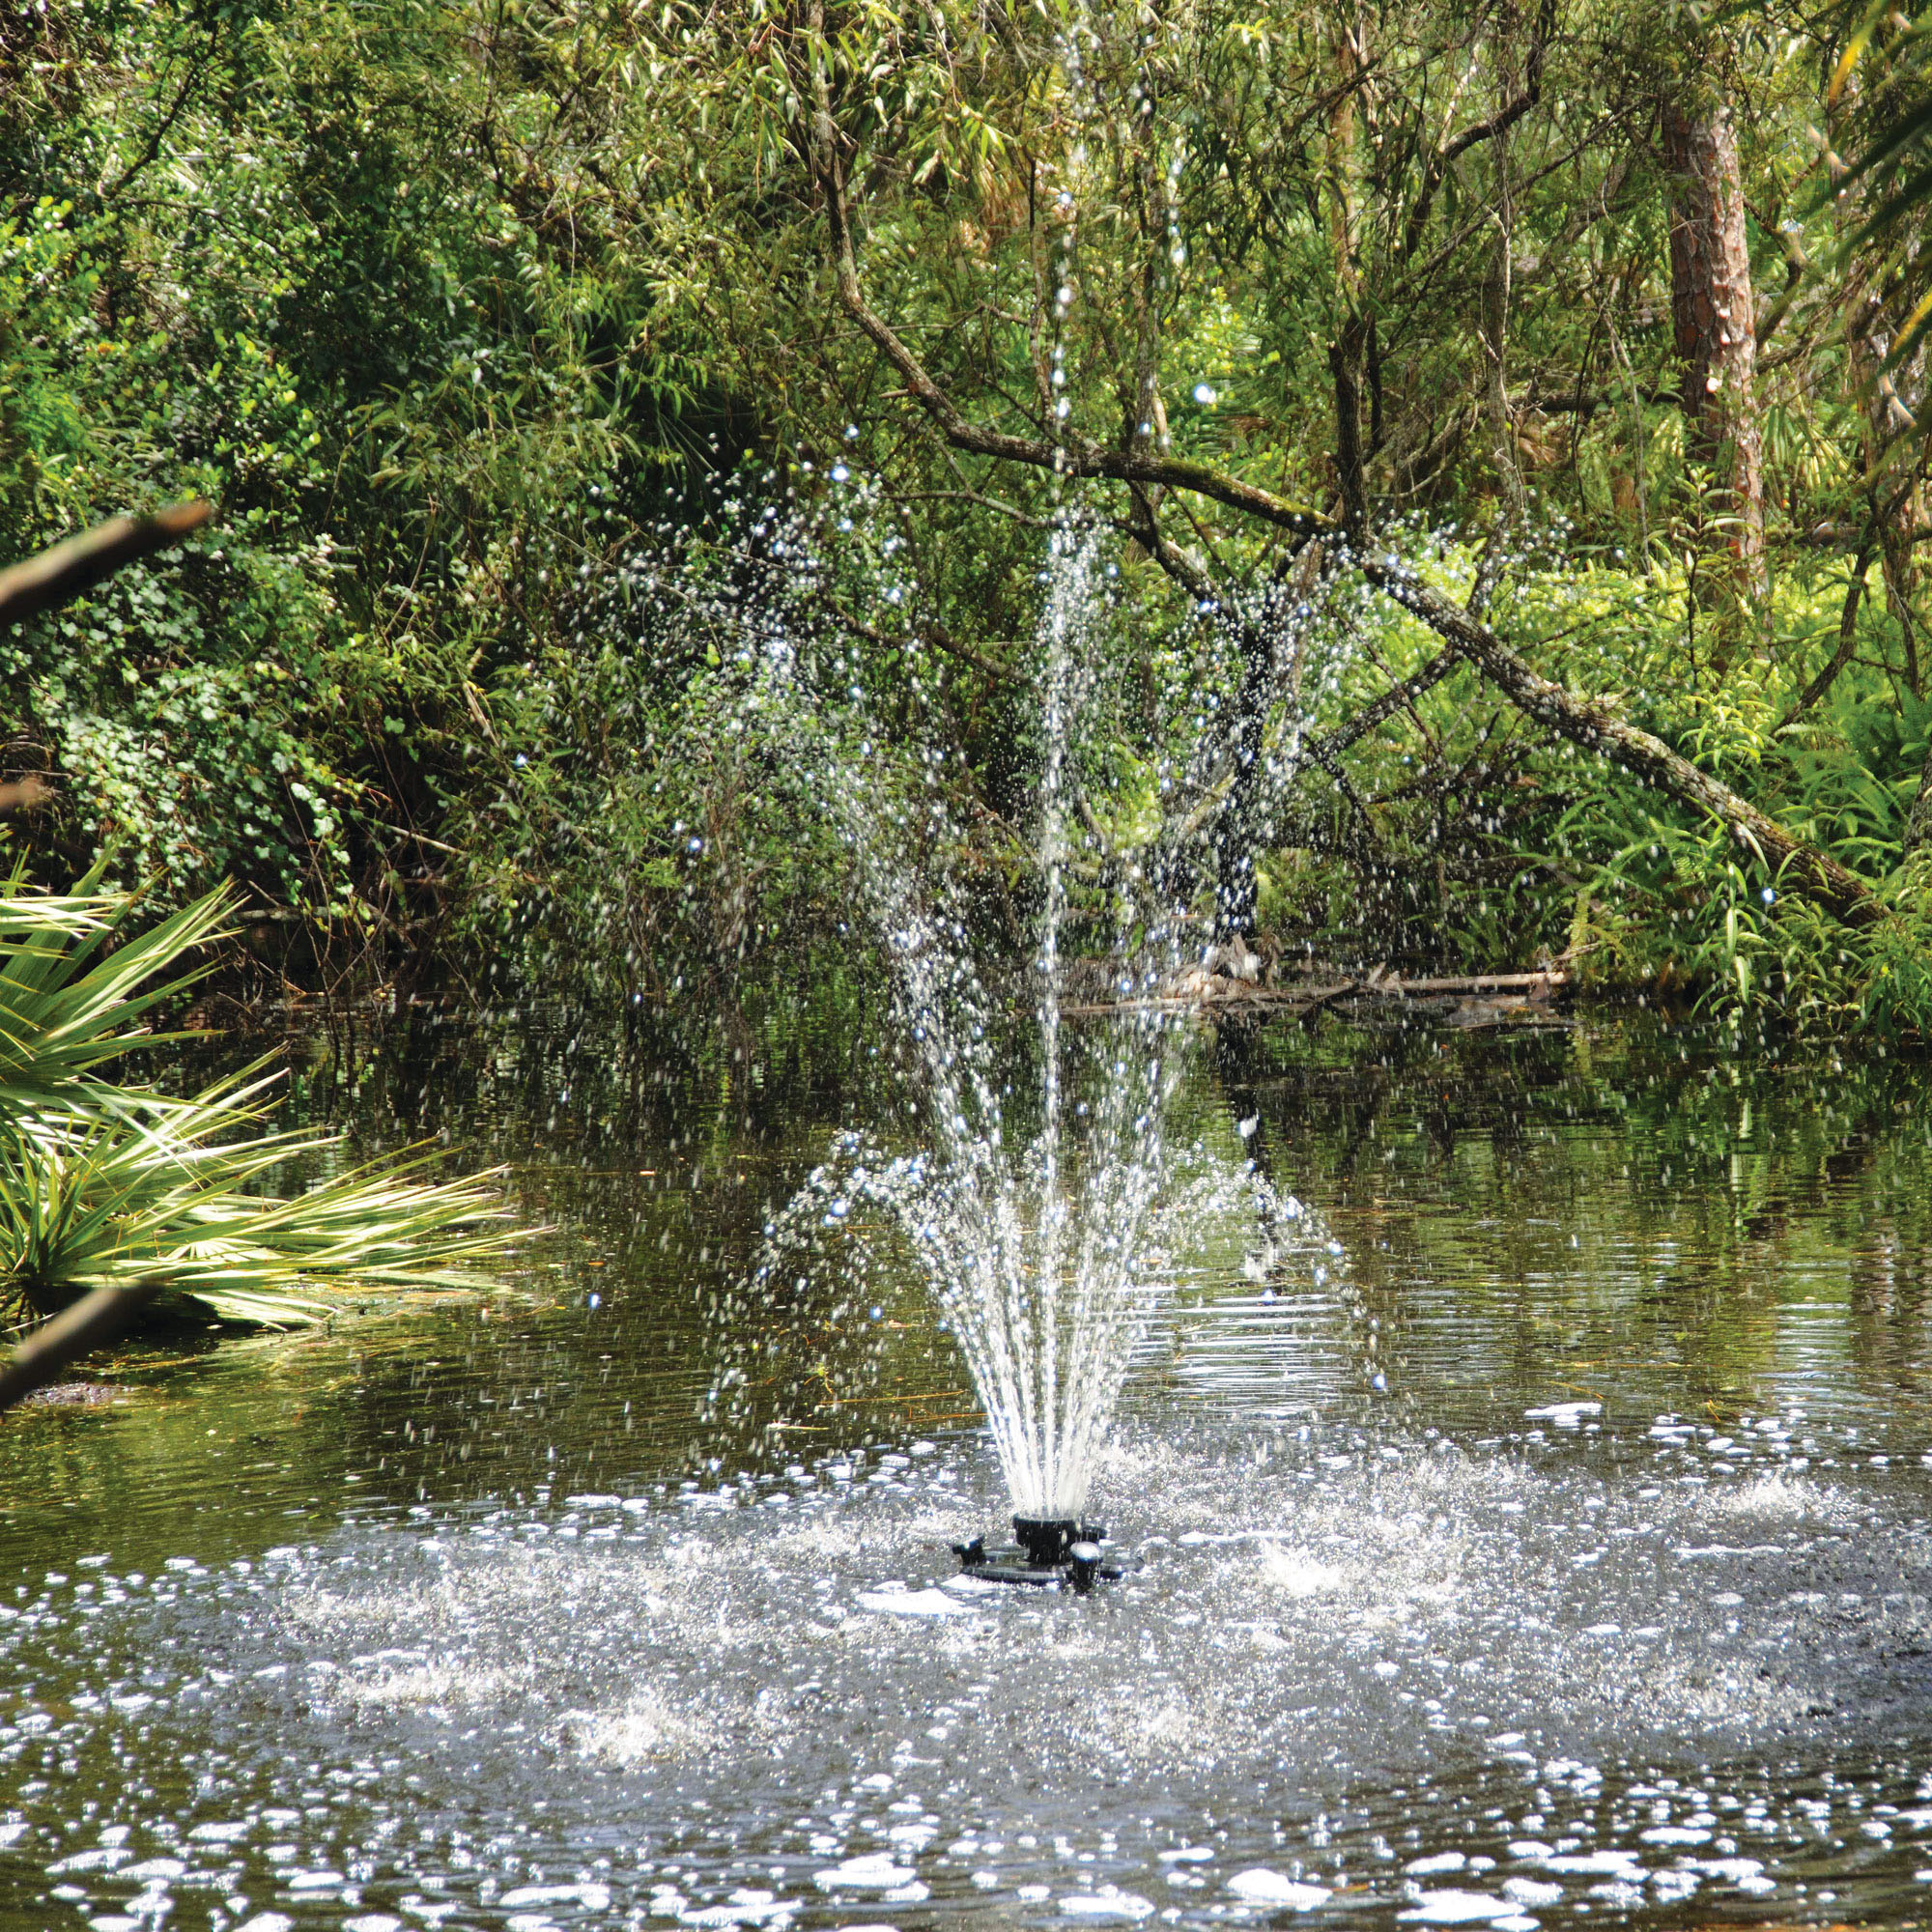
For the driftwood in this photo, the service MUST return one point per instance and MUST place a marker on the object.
(1219, 994)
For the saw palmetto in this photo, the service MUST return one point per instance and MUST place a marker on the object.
(116, 1184)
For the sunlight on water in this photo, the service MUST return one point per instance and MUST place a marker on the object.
(1359, 1673)
(1611, 1604)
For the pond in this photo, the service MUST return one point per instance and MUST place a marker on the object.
(1556, 1548)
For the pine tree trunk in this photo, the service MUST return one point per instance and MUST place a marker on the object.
(1715, 316)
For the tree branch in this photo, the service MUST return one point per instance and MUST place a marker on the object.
(1582, 721)
(80, 562)
(1500, 122)
(1848, 636)
(93, 1320)
(1144, 467)
(1398, 698)
(1595, 728)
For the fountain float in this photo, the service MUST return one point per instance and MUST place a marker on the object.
(1049, 1550)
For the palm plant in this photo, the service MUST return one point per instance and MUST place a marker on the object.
(1893, 162)
(106, 1185)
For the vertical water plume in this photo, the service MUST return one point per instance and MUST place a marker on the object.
(1046, 1259)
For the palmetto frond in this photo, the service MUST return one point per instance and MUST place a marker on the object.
(71, 998)
(105, 1186)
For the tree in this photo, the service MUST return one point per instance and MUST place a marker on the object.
(1715, 319)
(829, 153)
(1353, 331)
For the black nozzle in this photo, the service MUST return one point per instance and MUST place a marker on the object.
(1045, 1538)
(1051, 1550)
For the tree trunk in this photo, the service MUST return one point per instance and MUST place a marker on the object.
(1344, 365)
(1236, 838)
(1715, 320)
(1918, 827)
(1240, 833)
(1345, 350)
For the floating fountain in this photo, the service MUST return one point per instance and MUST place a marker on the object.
(1049, 1551)
(1047, 1258)
(1484, 1657)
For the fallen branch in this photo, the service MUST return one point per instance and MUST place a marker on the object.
(80, 563)
(1596, 728)
(1200, 991)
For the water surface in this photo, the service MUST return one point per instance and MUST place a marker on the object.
(1555, 1550)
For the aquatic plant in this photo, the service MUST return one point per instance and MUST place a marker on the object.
(121, 1185)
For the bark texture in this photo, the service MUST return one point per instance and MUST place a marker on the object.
(1713, 315)
(1918, 827)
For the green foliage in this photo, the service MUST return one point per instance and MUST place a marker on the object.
(248, 258)
(118, 1186)
(67, 1003)
(463, 316)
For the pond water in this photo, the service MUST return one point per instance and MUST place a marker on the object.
(1557, 1550)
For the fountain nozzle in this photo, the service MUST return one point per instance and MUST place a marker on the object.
(1049, 1550)
(1045, 1539)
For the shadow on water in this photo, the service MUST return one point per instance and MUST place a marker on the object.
(1557, 1550)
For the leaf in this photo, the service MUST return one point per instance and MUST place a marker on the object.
(109, 1185)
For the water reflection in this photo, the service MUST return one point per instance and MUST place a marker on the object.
(472, 1617)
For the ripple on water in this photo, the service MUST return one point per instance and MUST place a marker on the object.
(1453, 1687)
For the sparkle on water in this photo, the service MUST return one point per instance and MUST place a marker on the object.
(437, 1637)
(1532, 1532)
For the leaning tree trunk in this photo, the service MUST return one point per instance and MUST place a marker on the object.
(1592, 726)
(1715, 321)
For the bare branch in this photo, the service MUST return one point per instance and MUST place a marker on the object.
(1583, 722)
(90, 1322)
(1504, 118)
(1848, 635)
(1139, 466)
(1399, 698)
(1595, 728)
(80, 562)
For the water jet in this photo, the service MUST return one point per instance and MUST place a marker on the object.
(1055, 1217)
